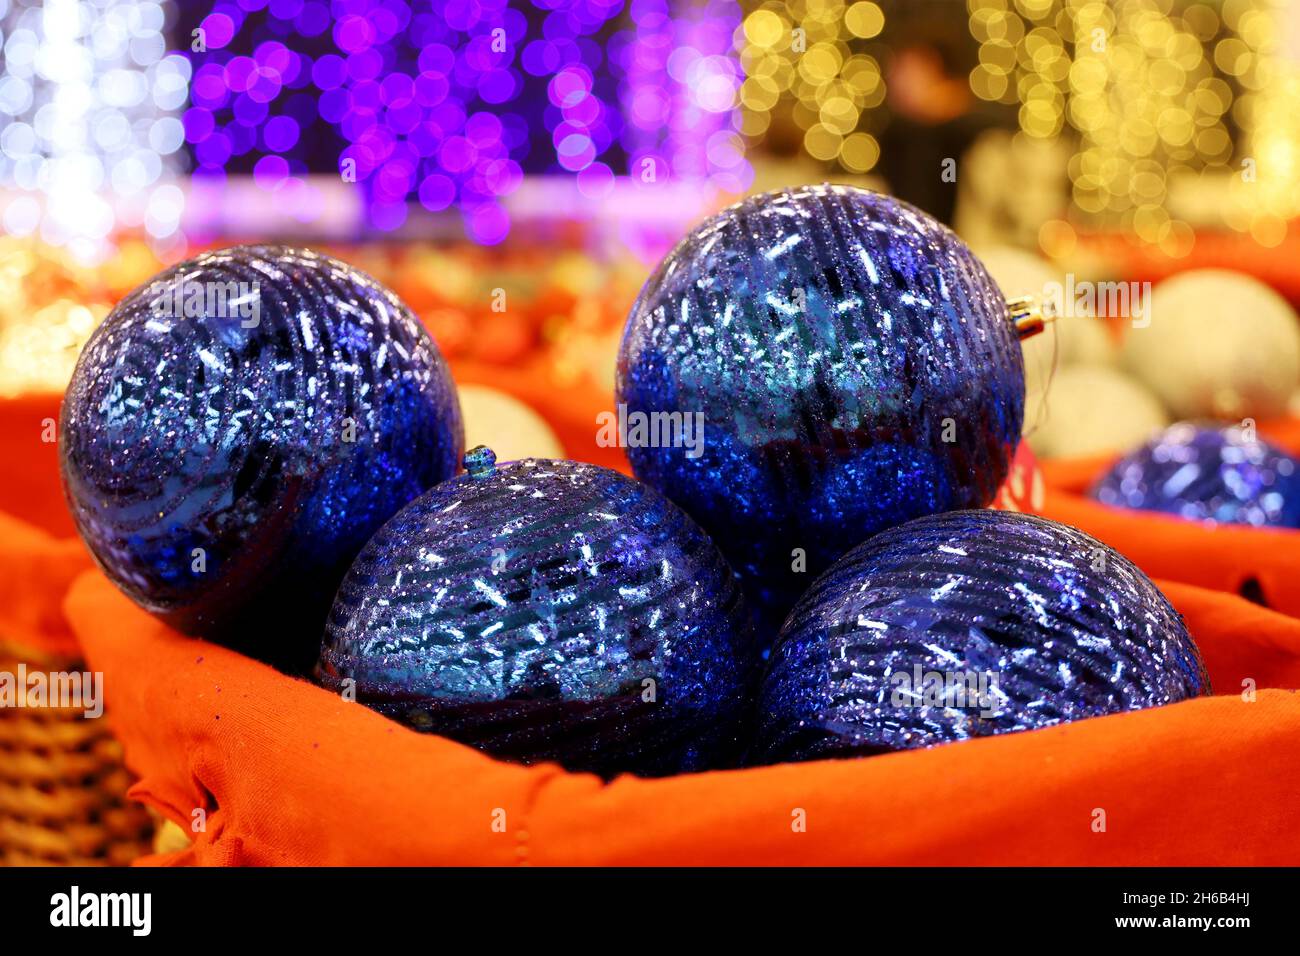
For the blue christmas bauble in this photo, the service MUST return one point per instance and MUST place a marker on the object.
(1207, 473)
(811, 366)
(236, 430)
(968, 624)
(548, 610)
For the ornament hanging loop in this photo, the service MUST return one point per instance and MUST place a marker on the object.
(1030, 314)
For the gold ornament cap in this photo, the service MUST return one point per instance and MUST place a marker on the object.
(1030, 314)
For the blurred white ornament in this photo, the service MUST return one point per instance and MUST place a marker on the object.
(1010, 185)
(1076, 337)
(506, 425)
(1095, 409)
(1220, 344)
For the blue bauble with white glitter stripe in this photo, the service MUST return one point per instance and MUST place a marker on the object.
(549, 610)
(969, 624)
(855, 367)
(238, 427)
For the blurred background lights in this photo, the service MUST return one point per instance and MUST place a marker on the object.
(89, 127)
(451, 107)
(809, 72)
(1152, 95)
(681, 94)
(426, 108)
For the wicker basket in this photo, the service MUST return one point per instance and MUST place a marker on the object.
(63, 785)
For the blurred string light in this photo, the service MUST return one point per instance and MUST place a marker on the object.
(1146, 90)
(679, 94)
(1267, 194)
(410, 102)
(580, 88)
(87, 126)
(800, 65)
(445, 105)
(49, 304)
(261, 104)
(423, 101)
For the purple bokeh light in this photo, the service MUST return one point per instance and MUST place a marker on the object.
(680, 90)
(444, 104)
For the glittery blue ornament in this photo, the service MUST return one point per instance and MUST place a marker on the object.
(238, 428)
(968, 624)
(851, 363)
(549, 610)
(1207, 473)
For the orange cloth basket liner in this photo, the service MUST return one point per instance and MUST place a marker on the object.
(287, 773)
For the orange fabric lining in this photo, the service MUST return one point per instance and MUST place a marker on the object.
(36, 570)
(29, 465)
(290, 774)
(1227, 557)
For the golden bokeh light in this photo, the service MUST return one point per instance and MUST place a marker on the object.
(805, 65)
(864, 20)
(1146, 90)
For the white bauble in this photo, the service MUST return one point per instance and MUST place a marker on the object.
(1092, 410)
(1220, 344)
(506, 425)
(1073, 339)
